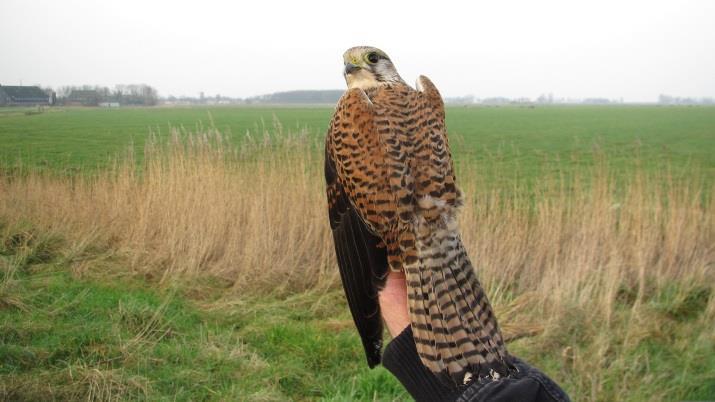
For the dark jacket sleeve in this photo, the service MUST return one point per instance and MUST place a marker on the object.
(526, 384)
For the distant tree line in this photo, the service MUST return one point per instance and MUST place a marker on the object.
(330, 96)
(146, 95)
(93, 95)
(674, 100)
(307, 96)
(543, 99)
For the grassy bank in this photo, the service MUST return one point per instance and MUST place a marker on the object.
(85, 328)
(209, 273)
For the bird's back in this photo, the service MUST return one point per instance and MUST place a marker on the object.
(410, 127)
(453, 324)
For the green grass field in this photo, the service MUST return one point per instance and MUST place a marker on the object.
(80, 320)
(76, 137)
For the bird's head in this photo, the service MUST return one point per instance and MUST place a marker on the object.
(368, 67)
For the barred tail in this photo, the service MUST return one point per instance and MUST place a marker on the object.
(454, 327)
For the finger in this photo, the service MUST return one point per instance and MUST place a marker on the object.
(393, 303)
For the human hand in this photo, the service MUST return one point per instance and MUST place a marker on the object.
(393, 303)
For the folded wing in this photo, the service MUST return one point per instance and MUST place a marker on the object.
(353, 174)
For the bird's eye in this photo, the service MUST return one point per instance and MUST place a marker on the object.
(373, 57)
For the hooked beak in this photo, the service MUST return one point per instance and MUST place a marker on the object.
(351, 68)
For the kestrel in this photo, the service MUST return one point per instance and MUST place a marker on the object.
(393, 203)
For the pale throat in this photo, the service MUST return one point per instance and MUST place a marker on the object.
(361, 79)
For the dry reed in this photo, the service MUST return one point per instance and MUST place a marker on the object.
(255, 215)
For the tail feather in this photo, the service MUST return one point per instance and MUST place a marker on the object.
(423, 304)
(449, 308)
(454, 328)
(452, 356)
(477, 315)
(464, 296)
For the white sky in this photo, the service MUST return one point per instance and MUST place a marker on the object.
(635, 49)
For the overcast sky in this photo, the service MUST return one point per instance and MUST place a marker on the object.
(635, 49)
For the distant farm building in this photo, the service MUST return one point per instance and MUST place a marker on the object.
(23, 96)
(83, 97)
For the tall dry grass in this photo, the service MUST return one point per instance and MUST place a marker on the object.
(196, 207)
(581, 259)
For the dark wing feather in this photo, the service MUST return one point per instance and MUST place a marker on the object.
(361, 261)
